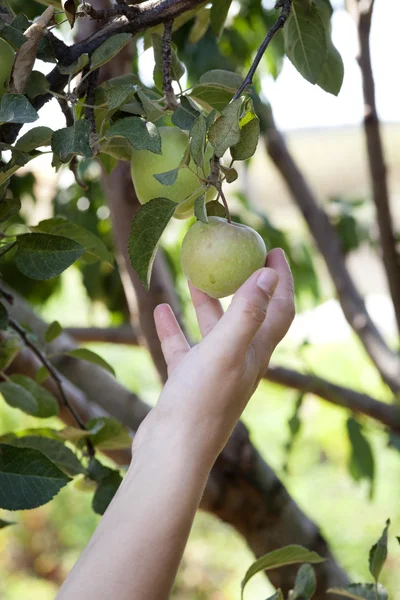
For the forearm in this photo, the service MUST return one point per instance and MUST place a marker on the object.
(137, 547)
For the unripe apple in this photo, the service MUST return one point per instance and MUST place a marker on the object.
(6, 61)
(217, 257)
(145, 164)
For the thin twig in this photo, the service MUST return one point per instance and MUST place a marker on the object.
(8, 297)
(286, 6)
(46, 363)
(169, 93)
(228, 214)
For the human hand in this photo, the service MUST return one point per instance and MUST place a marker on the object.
(210, 384)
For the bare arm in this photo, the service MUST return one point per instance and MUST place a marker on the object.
(137, 547)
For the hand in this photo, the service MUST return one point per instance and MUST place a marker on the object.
(210, 384)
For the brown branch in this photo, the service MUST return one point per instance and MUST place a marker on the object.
(286, 6)
(386, 361)
(24, 335)
(169, 93)
(362, 12)
(242, 489)
(345, 397)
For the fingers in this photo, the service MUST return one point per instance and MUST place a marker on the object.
(208, 310)
(173, 342)
(246, 314)
(281, 309)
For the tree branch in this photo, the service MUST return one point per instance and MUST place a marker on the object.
(242, 489)
(386, 361)
(169, 93)
(345, 397)
(362, 13)
(286, 6)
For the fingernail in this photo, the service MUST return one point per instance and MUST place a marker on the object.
(267, 281)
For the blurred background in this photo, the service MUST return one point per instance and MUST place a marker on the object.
(325, 136)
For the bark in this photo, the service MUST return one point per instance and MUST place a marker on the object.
(242, 489)
(348, 398)
(362, 13)
(386, 361)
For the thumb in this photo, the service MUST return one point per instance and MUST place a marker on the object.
(247, 312)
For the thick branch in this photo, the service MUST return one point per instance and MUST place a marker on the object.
(169, 93)
(242, 489)
(353, 400)
(325, 236)
(376, 159)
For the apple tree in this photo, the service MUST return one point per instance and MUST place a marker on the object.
(154, 153)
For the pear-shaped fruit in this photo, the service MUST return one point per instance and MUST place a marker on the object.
(6, 61)
(145, 164)
(217, 257)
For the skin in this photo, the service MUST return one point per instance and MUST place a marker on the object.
(145, 164)
(138, 545)
(217, 257)
(6, 61)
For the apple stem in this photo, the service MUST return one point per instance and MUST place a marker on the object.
(228, 214)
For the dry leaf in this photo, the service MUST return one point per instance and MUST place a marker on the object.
(26, 55)
(69, 7)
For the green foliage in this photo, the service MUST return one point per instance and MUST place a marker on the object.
(361, 463)
(305, 584)
(92, 357)
(140, 134)
(47, 405)
(361, 591)
(289, 555)
(27, 478)
(15, 108)
(378, 554)
(72, 141)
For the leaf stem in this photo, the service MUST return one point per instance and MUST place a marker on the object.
(54, 374)
(286, 6)
(228, 214)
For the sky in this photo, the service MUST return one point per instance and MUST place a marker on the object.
(297, 103)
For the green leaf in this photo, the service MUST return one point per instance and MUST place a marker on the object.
(28, 479)
(215, 209)
(200, 26)
(18, 397)
(52, 332)
(211, 118)
(9, 348)
(185, 115)
(76, 66)
(305, 40)
(289, 555)
(3, 317)
(110, 48)
(69, 141)
(331, 76)
(294, 427)
(225, 132)
(219, 77)
(200, 211)
(92, 357)
(197, 140)
(94, 247)
(55, 451)
(277, 596)
(117, 96)
(305, 584)
(108, 434)
(9, 207)
(105, 492)
(46, 402)
(10, 34)
(15, 108)
(247, 144)
(219, 12)
(378, 553)
(212, 96)
(361, 463)
(144, 238)
(34, 138)
(141, 134)
(177, 68)
(361, 591)
(230, 174)
(167, 178)
(4, 524)
(37, 85)
(152, 109)
(41, 374)
(42, 256)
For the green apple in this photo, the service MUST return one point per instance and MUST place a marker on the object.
(6, 61)
(217, 257)
(145, 164)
